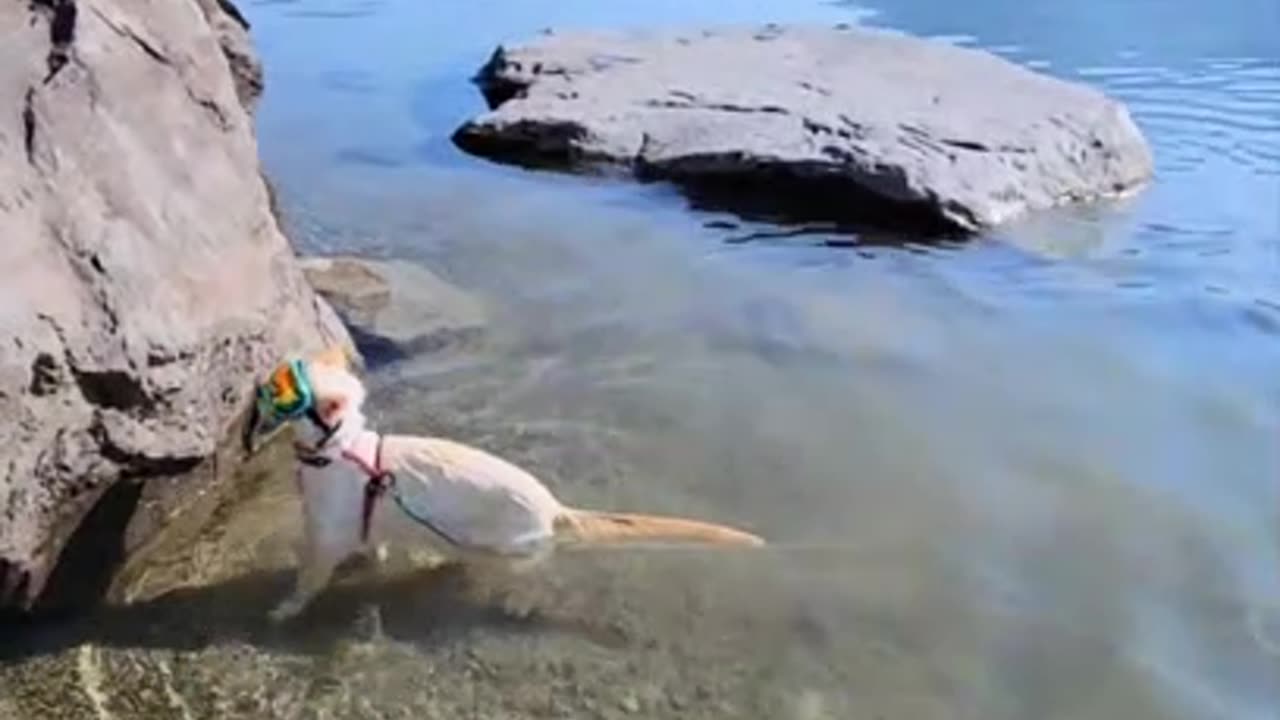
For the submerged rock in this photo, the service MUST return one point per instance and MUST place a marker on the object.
(843, 123)
(394, 309)
(146, 283)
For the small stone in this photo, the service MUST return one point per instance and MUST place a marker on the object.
(629, 703)
(396, 308)
(354, 288)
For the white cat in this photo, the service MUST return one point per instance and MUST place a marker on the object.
(362, 489)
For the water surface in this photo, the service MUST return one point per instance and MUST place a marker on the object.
(1032, 475)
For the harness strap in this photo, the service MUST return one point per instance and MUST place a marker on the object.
(329, 430)
(370, 470)
(379, 482)
(312, 456)
(374, 488)
(425, 522)
(313, 460)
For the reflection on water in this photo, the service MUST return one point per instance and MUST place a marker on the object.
(1027, 476)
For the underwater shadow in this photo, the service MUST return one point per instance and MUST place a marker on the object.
(421, 607)
(840, 208)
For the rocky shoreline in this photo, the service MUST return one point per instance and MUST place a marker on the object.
(148, 283)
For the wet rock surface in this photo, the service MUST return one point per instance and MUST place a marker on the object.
(147, 283)
(395, 309)
(843, 124)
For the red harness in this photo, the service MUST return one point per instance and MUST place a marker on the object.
(378, 483)
(374, 488)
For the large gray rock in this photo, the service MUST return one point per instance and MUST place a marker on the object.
(145, 286)
(846, 121)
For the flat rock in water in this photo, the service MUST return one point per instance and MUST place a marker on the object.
(836, 123)
(394, 309)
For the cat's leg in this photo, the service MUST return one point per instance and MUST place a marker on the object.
(503, 578)
(319, 562)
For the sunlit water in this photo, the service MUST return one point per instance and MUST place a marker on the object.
(1033, 475)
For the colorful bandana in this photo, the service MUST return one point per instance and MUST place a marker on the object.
(286, 395)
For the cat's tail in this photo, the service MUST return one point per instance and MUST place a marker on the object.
(591, 527)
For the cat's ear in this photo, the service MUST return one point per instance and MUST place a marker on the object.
(334, 356)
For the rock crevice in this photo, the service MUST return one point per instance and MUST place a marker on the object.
(62, 16)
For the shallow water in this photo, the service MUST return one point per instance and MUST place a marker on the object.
(1032, 475)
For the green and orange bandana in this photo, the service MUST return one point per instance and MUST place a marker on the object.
(286, 395)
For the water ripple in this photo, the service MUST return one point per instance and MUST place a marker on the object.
(1220, 108)
(333, 10)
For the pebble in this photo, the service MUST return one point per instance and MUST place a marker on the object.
(629, 703)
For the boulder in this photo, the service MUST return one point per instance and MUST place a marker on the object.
(841, 123)
(395, 309)
(146, 284)
(232, 30)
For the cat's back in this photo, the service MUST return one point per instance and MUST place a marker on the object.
(476, 493)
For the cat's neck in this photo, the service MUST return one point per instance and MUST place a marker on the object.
(364, 449)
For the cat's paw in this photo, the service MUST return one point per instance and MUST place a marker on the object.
(287, 609)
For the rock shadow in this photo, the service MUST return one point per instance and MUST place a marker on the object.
(788, 198)
(831, 205)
